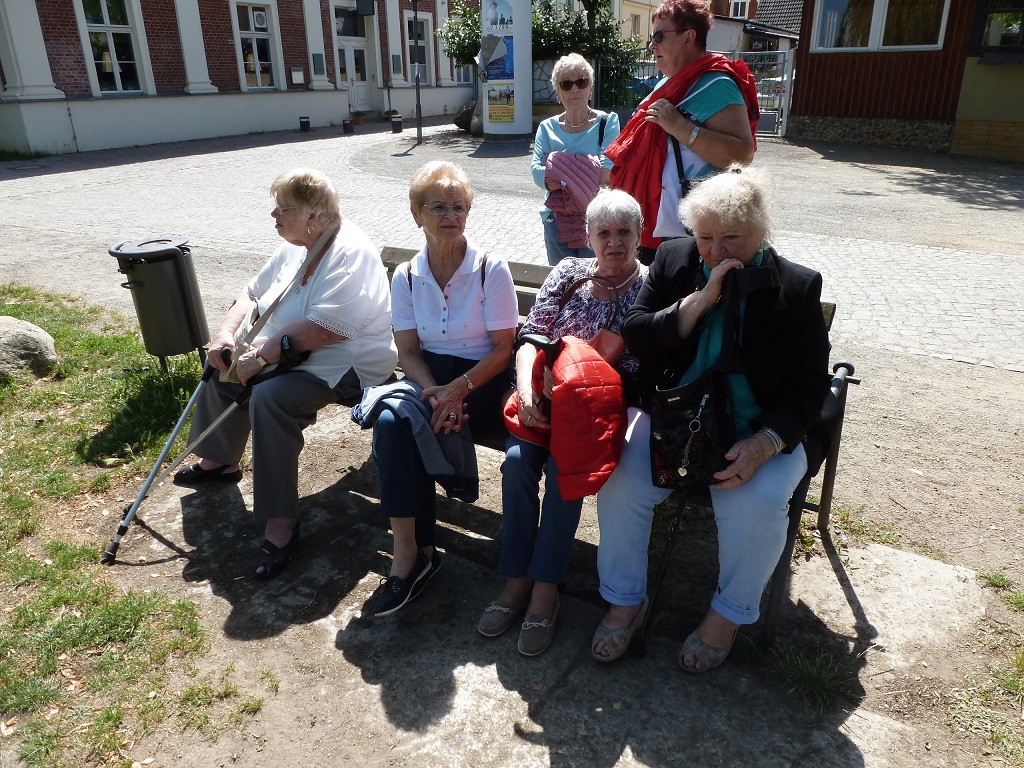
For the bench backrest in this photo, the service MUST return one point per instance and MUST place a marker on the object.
(528, 278)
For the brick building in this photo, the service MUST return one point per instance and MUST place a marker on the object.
(79, 75)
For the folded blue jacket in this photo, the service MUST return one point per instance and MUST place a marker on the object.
(448, 458)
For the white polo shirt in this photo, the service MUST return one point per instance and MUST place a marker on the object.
(458, 320)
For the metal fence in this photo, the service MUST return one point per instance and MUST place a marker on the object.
(623, 82)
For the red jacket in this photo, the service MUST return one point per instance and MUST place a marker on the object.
(588, 418)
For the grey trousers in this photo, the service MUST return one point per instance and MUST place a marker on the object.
(278, 411)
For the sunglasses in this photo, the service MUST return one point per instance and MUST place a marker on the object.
(579, 82)
(658, 36)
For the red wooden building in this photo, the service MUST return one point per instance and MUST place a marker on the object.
(942, 75)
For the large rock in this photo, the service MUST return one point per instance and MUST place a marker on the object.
(23, 345)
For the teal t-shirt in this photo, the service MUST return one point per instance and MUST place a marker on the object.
(745, 408)
(713, 92)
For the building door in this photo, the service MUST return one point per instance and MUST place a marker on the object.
(352, 73)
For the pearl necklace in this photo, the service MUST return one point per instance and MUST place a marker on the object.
(588, 118)
(625, 282)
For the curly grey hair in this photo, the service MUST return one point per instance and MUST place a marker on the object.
(571, 62)
(614, 206)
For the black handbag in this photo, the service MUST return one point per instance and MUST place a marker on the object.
(692, 425)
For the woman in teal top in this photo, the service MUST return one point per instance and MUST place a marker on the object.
(571, 182)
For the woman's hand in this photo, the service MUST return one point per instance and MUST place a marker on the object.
(712, 292)
(665, 115)
(530, 412)
(248, 367)
(215, 353)
(745, 458)
(449, 404)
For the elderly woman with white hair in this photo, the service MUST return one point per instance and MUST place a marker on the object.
(326, 292)
(568, 158)
(536, 538)
(678, 324)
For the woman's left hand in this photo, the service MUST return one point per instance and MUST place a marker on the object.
(745, 458)
(448, 402)
(247, 367)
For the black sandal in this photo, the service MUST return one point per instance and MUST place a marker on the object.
(275, 559)
(196, 474)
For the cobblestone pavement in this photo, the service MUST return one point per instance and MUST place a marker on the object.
(897, 293)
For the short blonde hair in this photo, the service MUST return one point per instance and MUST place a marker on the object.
(310, 191)
(572, 62)
(738, 196)
(441, 173)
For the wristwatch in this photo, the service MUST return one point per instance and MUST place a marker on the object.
(261, 360)
(693, 136)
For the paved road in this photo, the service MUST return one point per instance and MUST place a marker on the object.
(922, 253)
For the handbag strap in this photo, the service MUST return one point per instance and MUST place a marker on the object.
(613, 310)
(317, 250)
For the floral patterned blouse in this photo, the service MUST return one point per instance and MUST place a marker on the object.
(583, 315)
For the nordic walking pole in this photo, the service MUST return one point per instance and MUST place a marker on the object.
(110, 553)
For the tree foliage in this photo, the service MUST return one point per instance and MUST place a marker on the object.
(556, 31)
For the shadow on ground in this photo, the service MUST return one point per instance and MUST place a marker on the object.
(428, 665)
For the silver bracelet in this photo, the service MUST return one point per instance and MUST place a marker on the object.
(774, 437)
(470, 383)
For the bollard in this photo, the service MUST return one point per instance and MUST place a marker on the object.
(304, 124)
(346, 126)
(396, 123)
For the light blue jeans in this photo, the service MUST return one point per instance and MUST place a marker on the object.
(559, 250)
(752, 522)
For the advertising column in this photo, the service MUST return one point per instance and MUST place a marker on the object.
(506, 68)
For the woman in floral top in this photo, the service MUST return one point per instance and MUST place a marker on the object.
(535, 548)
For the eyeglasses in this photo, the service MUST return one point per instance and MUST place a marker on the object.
(441, 210)
(279, 209)
(658, 36)
(579, 82)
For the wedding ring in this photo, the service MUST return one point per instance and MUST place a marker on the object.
(529, 416)
(451, 417)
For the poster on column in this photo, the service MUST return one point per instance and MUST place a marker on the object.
(497, 17)
(501, 101)
(500, 82)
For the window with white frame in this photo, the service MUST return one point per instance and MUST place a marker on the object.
(113, 46)
(739, 9)
(464, 74)
(634, 25)
(254, 34)
(879, 24)
(416, 37)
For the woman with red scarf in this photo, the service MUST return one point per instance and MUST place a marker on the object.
(700, 118)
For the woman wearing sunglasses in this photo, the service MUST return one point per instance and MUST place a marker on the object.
(700, 118)
(454, 314)
(569, 161)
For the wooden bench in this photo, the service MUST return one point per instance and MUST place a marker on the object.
(529, 277)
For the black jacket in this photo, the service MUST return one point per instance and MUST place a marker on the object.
(783, 347)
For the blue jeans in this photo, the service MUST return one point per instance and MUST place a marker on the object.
(752, 521)
(406, 490)
(540, 551)
(559, 250)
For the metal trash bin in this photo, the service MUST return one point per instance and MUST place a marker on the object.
(166, 294)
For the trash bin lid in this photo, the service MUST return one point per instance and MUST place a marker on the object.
(151, 249)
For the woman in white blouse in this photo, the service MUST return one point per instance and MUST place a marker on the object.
(454, 313)
(338, 310)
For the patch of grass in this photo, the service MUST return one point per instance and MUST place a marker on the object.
(198, 705)
(100, 418)
(984, 712)
(852, 525)
(996, 579)
(270, 679)
(818, 678)
(84, 665)
(250, 706)
(1015, 600)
